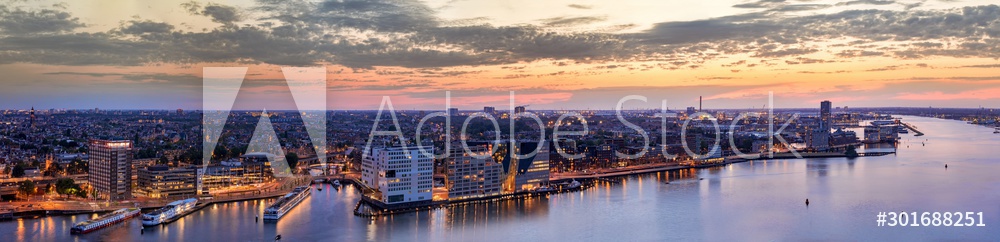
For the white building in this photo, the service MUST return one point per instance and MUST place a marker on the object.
(400, 175)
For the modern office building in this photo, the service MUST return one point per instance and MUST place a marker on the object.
(472, 177)
(532, 171)
(399, 174)
(825, 116)
(489, 110)
(110, 168)
(453, 111)
(160, 181)
(251, 169)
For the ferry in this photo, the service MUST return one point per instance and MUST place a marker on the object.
(174, 209)
(106, 220)
(286, 203)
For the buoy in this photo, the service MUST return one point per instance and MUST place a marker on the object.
(945, 166)
(807, 202)
(256, 218)
(141, 231)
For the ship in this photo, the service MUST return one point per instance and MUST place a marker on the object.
(286, 203)
(106, 220)
(173, 209)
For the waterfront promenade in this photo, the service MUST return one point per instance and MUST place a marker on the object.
(56, 207)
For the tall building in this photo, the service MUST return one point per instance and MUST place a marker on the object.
(520, 109)
(400, 175)
(160, 181)
(453, 111)
(824, 116)
(110, 168)
(489, 109)
(31, 117)
(472, 177)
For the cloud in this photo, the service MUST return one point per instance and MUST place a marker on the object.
(580, 6)
(20, 22)
(406, 33)
(982, 94)
(219, 13)
(570, 21)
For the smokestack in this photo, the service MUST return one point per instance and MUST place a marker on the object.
(699, 103)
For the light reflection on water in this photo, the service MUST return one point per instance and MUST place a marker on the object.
(753, 201)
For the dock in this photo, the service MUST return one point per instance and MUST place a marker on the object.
(912, 128)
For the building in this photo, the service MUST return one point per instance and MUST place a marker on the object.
(399, 174)
(883, 133)
(472, 177)
(825, 119)
(453, 111)
(250, 170)
(32, 118)
(532, 172)
(489, 110)
(818, 139)
(110, 168)
(520, 109)
(160, 181)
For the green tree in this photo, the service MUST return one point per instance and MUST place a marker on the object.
(220, 153)
(851, 151)
(17, 171)
(293, 159)
(27, 187)
(64, 186)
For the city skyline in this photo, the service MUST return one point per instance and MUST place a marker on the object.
(554, 55)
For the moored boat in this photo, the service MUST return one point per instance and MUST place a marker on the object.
(173, 209)
(103, 221)
(284, 204)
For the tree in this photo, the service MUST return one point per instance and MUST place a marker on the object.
(163, 160)
(27, 187)
(851, 151)
(220, 153)
(53, 170)
(293, 159)
(77, 166)
(18, 171)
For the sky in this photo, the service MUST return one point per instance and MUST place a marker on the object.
(553, 54)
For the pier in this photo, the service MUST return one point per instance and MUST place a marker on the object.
(912, 128)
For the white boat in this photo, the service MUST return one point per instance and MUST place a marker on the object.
(173, 209)
(286, 203)
(336, 183)
(106, 220)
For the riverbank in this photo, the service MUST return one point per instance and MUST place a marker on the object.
(58, 208)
